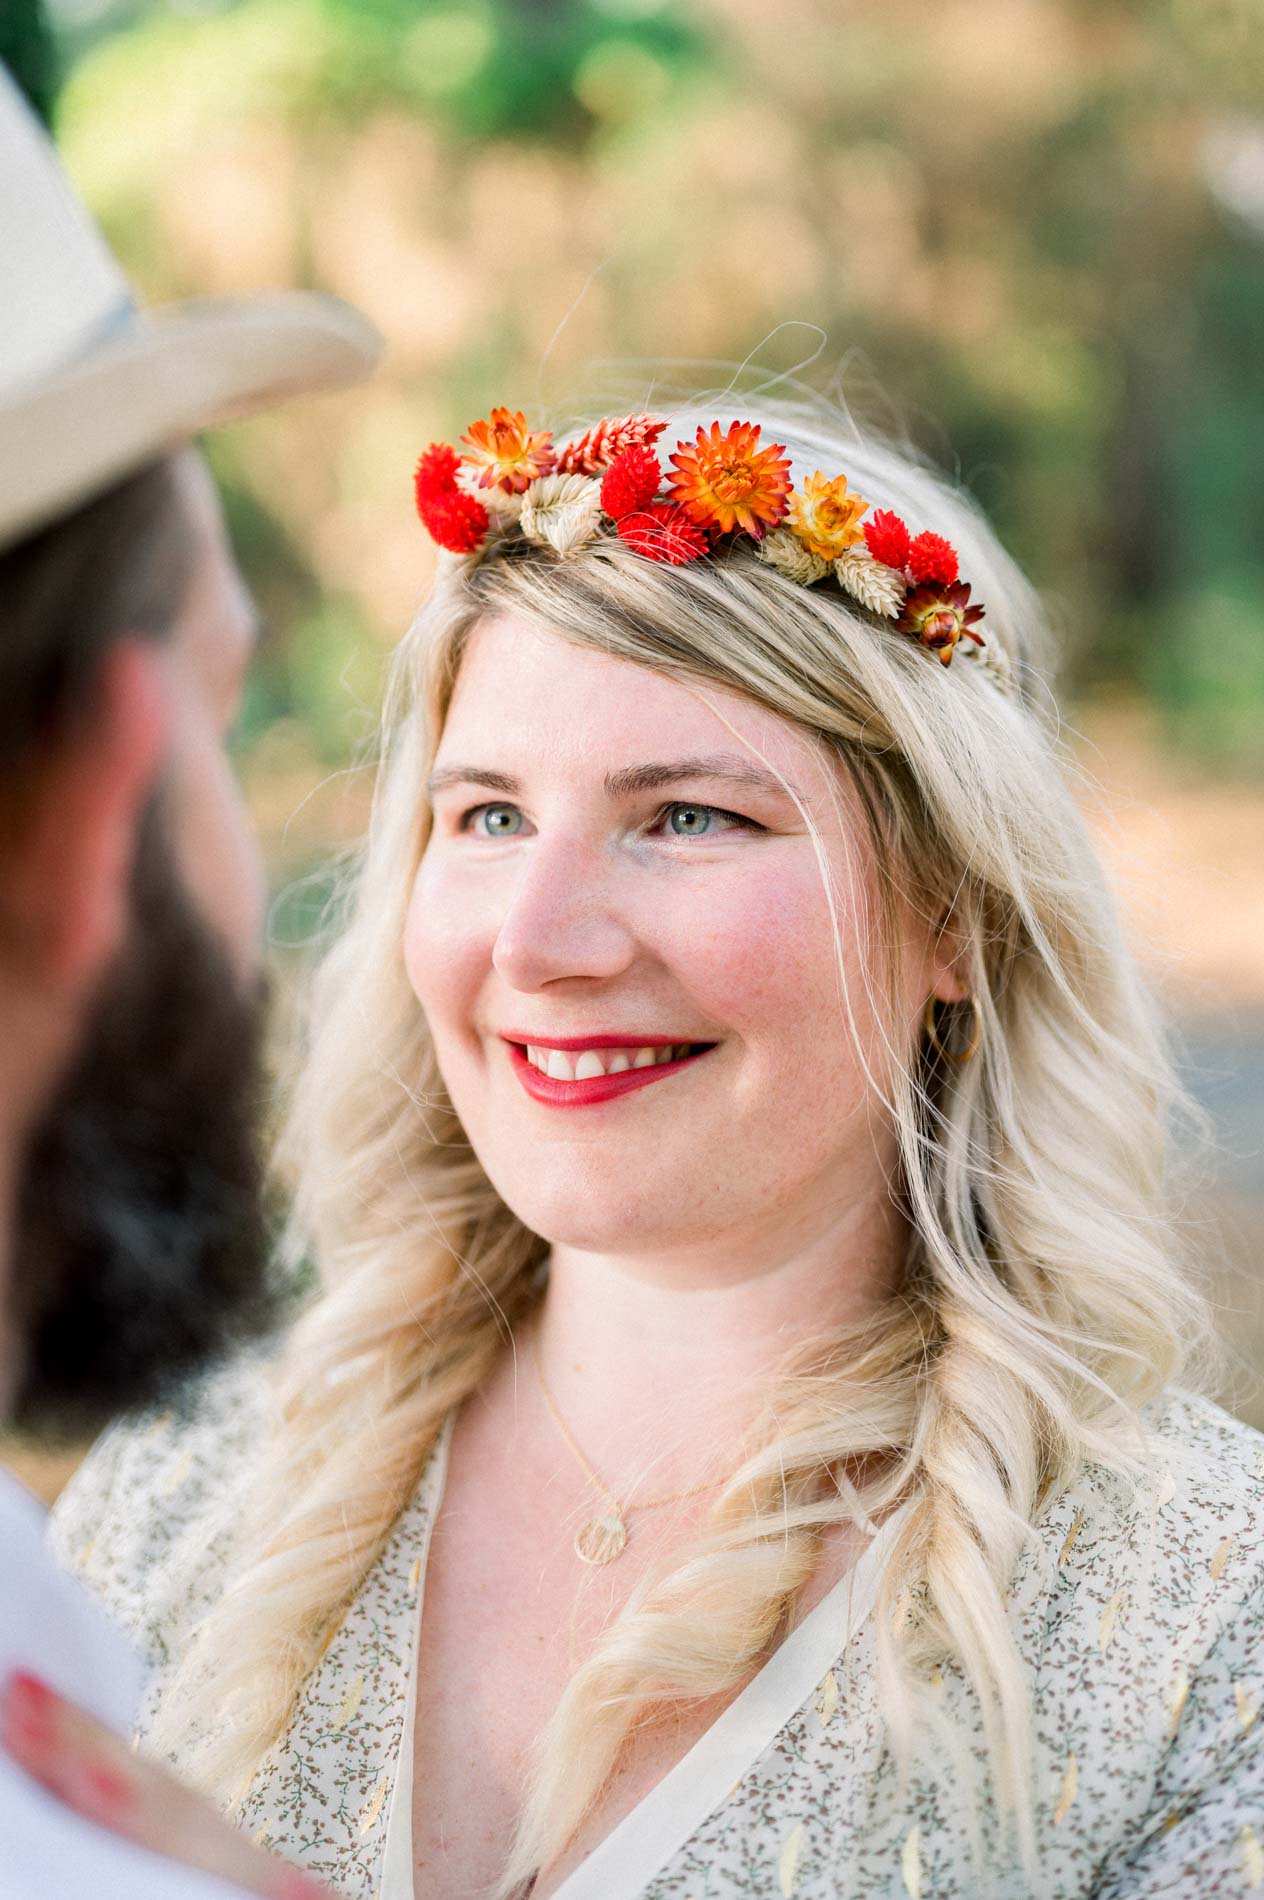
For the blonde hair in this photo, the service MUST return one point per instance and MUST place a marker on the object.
(1044, 1299)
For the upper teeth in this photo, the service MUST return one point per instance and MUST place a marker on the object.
(577, 1065)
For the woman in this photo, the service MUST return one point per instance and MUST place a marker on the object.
(749, 1436)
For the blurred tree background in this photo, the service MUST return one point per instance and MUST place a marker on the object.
(1036, 225)
(1032, 231)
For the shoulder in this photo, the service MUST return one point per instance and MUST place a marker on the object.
(1215, 1436)
(1200, 1473)
(1137, 1610)
(1187, 1533)
(1139, 1605)
(146, 1521)
(1203, 1507)
(1173, 1643)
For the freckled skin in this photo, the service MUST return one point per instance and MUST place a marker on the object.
(590, 918)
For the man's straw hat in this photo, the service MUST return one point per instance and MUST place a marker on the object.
(91, 387)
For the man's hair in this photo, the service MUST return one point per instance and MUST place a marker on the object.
(119, 564)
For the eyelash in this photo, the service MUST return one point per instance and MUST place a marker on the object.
(677, 804)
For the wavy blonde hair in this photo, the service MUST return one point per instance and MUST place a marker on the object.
(1044, 1299)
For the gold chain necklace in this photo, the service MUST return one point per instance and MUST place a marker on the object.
(603, 1538)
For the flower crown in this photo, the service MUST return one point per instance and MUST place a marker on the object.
(721, 487)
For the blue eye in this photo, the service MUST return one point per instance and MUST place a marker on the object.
(497, 831)
(732, 819)
(690, 812)
(497, 814)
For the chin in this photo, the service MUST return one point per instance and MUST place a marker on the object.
(599, 1218)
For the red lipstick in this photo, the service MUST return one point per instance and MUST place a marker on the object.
(596, 1088)
(654, 1040)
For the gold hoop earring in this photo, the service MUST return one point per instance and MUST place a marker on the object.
(952, 1055)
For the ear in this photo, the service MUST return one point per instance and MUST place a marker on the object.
(949, 973)
(69, 860)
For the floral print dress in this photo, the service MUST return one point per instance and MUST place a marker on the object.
(1140, 1620)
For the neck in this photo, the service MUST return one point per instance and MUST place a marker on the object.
(651, 1358)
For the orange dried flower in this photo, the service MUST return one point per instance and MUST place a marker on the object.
(506, 453)
(825, 517)
(725, 482)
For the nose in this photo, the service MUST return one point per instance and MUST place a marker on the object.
(563, 920)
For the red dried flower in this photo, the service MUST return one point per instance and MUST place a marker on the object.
(436, 473)
(931, 558)
(456, 521)
(631, 481)
(940, 616)
(663, 532)
(451, 517)
(599, 446)
(887, 539)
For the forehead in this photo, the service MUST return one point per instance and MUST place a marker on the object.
(526, 697)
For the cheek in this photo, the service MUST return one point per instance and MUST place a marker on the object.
(760, 955)
(444, 945)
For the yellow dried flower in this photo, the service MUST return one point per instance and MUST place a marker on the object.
(825, 516)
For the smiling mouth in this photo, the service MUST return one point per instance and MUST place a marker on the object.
(585, 1065)
(582, 1078)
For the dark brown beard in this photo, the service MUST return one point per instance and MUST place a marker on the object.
(140, 1251)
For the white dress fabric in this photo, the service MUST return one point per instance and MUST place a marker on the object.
(1139, 1618)
(51, 1628)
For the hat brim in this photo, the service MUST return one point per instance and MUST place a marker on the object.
(157, 381)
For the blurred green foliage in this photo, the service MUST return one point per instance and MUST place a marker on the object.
(27, 49)
(548, 69)
(1032, 230)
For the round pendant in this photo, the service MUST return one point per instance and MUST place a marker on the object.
(601, 1540)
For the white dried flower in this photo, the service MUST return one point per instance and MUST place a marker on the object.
(875, 585)
(787, 554)
(562, 511)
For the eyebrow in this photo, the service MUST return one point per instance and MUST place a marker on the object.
(630, 779)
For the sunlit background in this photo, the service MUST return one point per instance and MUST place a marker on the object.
(1032, 232)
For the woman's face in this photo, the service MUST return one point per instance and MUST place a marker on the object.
(683, 906)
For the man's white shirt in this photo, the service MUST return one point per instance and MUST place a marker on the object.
(52, 1628)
